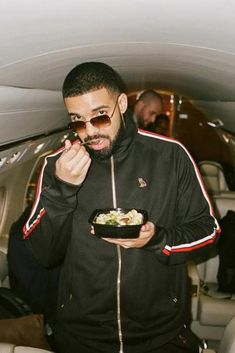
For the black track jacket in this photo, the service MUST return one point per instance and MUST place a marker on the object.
(113, 299)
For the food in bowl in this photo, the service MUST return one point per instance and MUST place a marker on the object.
(118, 222)
(120, 218)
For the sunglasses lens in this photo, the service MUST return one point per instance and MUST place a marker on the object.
(77, 126)
(100, 121)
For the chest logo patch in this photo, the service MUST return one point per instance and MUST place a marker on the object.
(142, 183)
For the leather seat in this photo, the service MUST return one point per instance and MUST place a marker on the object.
(211, 309)
(213, 177)
(11, 348)
(222, 198)
(222, 203)
(227, 344)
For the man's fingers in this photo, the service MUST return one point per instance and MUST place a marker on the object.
(74, 158)
(73, 164)
(71, 150)
(83, 165)
(67, 145)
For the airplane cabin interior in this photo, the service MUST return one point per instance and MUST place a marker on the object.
(183, 50)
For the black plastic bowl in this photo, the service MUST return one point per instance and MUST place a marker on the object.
(116, 231)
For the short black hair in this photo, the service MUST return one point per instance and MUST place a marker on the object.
(90, 76)
(150, 94)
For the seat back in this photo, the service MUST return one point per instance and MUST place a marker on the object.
(208, 268)
(227, 344)
(222, 198)
(214, 309)
(213, 177)
(223, 203)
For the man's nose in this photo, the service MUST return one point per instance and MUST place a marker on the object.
(90, 129)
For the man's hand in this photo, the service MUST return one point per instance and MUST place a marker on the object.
(146, 233)
(73, 164)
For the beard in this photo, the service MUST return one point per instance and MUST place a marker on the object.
(140, 121)
(107, 152)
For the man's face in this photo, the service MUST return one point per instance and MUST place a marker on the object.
(148, 112)
(93, 104)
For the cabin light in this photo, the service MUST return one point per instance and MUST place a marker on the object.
(172, 99)
(211, 124)
(183, 116)
(180, 100)
(215, 123)
(38, 148)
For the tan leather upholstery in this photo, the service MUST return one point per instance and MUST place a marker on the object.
(21, 349)
(215, 312)
(213, 177)
(227, 344)
(222, 203)
(6, 347)
(211, 309)
(11, 348)
(221, 197)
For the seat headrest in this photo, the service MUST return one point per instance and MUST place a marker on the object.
(213, 176)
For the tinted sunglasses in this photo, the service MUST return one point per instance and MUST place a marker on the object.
(98, 122)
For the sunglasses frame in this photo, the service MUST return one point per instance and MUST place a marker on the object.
(72, 124)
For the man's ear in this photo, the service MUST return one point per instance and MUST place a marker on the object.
(123, 102)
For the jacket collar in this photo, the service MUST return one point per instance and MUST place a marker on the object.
(130, 130)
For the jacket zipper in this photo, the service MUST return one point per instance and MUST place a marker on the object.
(119, 263)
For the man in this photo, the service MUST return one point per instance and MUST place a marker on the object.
(118, 295)
(147, 107)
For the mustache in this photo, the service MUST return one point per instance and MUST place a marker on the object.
(95, 137)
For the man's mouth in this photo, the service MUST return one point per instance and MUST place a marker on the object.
(97, 144)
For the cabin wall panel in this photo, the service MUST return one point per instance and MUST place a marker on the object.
(29, 112)
(15, 183)
(16, 177)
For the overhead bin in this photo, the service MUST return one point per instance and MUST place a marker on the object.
(25, 113)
